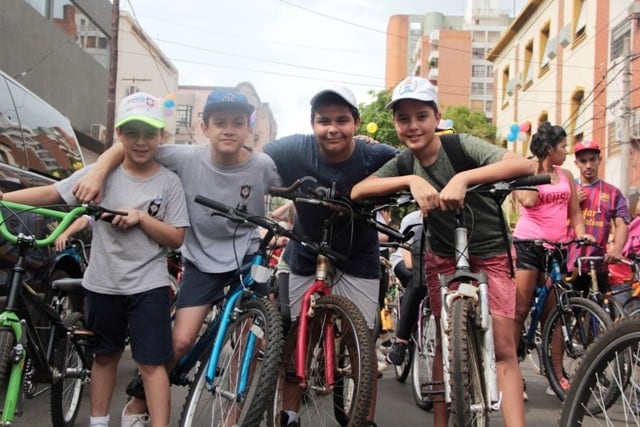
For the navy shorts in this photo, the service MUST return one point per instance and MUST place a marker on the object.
(199, 288)
(145, 317)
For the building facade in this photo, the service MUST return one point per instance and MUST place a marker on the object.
(450, 51)
(190, 104)
(564, 61)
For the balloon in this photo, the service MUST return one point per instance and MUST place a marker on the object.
(515, 128)
(252, 119)
(525, 126)
(168, 112)
(511, 137)
(171, 96)
(169, 103)
(372, 127)
(449, 123)
(522, 136)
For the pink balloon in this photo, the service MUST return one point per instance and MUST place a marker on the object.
(525, 126)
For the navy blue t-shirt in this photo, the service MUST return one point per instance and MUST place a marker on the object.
(297, 156)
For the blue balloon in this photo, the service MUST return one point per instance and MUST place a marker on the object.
(515, 128)
(169, 103)
(511, 137)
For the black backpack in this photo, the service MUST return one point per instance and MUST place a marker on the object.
(452, 147)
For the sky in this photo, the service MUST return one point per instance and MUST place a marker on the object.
(287, 49)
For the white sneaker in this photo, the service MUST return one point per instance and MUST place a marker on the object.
(134, 420)
(549, 391)
(382, 366)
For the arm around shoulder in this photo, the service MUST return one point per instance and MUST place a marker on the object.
(89, 188)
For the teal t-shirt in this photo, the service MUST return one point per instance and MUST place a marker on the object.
(481, 212)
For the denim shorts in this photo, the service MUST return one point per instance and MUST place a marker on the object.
(199, 288)
(145, 317)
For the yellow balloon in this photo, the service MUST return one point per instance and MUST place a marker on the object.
(372, 127)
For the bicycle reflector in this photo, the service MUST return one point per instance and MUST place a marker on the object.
(260, 273)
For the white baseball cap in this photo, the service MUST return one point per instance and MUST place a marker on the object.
(142, 107)
(341, 91)
(413, 87)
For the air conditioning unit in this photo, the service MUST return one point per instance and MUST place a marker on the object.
(635, 125)
(565, 35)
(552, 48)
(98, 132)
(132, 89)
(517, 81)
(510, 87)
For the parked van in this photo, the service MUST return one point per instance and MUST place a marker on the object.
(37, 147)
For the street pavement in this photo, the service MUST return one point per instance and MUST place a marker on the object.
(395, 403)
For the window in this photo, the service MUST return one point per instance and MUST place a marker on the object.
(544, 42)
(504, 84)
(579, 19)
(488, 88)
(489, 70)
(618, 35)
(91, 42)
(488, 107)
(477, 105)
(478, 53)
(183, 115)
(477, 88)
(477, 71)
(574, 112)
(479, 37)
(528, 68)
(415, 28)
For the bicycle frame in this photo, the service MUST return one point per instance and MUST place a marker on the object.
(474, 286)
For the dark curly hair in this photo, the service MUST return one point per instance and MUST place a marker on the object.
(547, 137)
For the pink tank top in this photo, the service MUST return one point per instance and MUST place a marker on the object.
(548, 219)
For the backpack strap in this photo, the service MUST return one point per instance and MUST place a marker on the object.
(452, 148)
(405, 163)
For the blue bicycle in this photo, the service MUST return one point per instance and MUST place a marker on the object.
(240, 351)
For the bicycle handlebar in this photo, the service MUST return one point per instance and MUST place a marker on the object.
(65, 217)
(323, 196)
(559, 245)
(241, 216)
(506, 186)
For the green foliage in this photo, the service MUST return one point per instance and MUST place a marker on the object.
(464, 120)
(376, 113)
(472, 122)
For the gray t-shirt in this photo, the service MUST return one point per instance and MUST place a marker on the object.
(213, 243)
(129, 262)
(481, 212)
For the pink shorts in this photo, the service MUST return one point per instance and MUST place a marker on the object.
(502, 287)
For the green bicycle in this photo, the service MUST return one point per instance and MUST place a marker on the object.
(41, 343)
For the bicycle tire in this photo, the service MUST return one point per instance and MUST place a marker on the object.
(348, 402)
(66, 391)
(401, 372)
(465, 369)
(632, 306)
(604, 364)
(422, 364)
(7, 341)
(217, 407)
(593, 322)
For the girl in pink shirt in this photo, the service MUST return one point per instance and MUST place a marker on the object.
(544, 215)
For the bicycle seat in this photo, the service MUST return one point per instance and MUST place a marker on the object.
(68, 285)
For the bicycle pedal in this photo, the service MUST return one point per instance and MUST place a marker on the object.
(84, 336)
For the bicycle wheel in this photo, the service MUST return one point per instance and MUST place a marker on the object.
(7, 341)
(422, 364)
(586, 321)
(611, 362)
(66, 391)
(345, 403)
(632, 307)
(468, 403)
(223, 404)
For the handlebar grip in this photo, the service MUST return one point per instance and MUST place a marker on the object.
(531, 180)
(286, 192)
(210, 203)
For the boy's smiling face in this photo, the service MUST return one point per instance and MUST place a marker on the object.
(415, 123)
(334, 126)
(140, 142)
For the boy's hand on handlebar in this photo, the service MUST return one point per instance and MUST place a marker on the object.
(453, 194)
(587, 238)
(124, 222)
(424, 194)
(613, 256)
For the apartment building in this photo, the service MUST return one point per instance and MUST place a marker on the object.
(450, 51)
(563, 61)
(190, 105)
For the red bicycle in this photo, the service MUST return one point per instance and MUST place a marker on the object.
(329, 352)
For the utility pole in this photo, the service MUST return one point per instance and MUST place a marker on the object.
(113, 73)
(625, 138)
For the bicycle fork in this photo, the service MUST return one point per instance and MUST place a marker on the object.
(486, 351)
(18, 355)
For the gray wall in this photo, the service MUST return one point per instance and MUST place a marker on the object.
(57, 69)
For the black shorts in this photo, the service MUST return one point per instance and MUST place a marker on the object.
(145, 317)
(530, 256)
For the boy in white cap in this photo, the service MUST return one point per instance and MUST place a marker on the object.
(439, 188)
(126, 280)
(337, 161)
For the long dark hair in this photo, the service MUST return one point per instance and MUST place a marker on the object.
(547, 137)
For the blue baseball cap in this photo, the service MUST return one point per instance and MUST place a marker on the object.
(225, 98)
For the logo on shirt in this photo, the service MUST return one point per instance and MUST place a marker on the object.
(245, 191)
(154, 205)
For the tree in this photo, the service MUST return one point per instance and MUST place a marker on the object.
(467, 121)
(375, 112)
